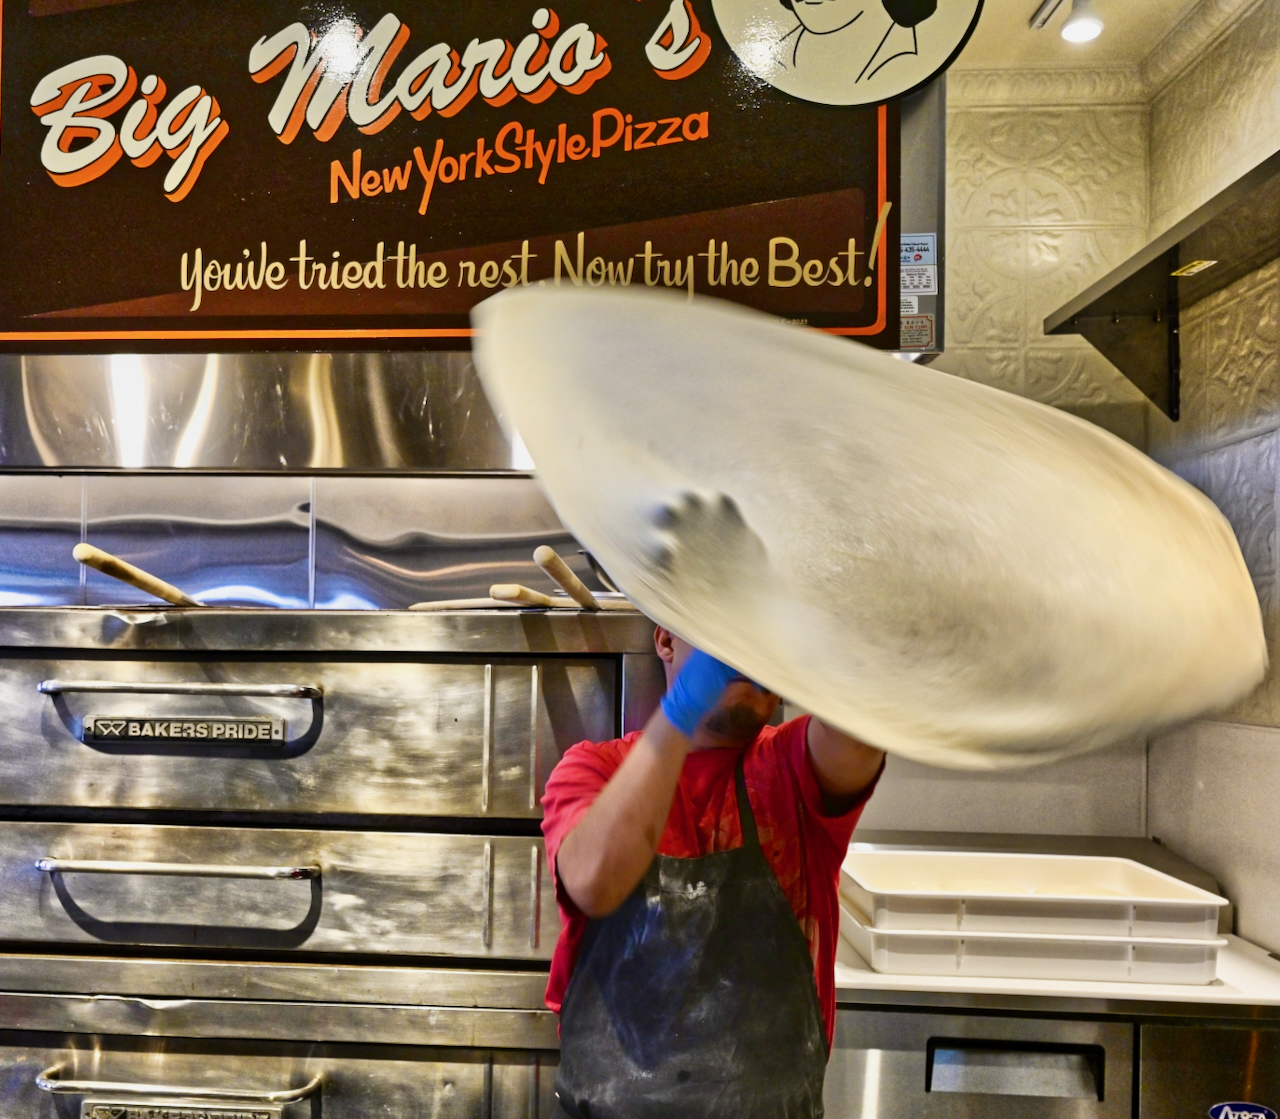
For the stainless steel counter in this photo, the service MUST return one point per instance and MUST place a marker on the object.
(978, 1048)
(1247, 990)
(1248, 984)
(1042, 1049)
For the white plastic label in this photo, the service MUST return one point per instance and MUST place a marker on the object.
(916, 332)
(919, 279)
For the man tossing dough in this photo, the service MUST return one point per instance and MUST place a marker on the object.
(696, 866)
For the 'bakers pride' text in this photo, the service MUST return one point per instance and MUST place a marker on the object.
(184, 730)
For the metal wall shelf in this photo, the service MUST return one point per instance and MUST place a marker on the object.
(1131, 316)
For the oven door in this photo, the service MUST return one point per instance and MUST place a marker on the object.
(933, 1066)
(81, 1076)
(279, 889)
(429, 737)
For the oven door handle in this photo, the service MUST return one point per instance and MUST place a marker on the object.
(181, 870)
(179, 687)
(50, 1081)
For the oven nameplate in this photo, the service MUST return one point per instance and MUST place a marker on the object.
(166, 728)
(175, 1109)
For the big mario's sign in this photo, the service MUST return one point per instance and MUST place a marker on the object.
(229, 174)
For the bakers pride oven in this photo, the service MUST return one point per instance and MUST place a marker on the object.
(282, 863)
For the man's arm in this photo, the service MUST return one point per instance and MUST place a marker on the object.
(843, 765)
(603, 859)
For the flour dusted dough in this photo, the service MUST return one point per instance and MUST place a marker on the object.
(942, 569)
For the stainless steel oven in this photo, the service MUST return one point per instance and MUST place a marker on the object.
(268, 863)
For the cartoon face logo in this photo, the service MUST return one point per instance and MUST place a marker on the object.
(846, 52)
(825, 17)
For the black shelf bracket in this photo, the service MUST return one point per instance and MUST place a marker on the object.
(1135, 327)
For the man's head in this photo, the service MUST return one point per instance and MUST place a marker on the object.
(742, 712)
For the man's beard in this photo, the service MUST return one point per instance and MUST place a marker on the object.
(741, 722)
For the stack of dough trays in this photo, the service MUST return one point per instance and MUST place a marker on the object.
(1027, 916)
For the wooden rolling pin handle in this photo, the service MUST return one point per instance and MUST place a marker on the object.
(117, 568)
(549, 560)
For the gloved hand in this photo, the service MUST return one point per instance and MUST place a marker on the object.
(697, 689)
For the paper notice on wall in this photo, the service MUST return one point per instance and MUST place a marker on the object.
(916, 332)
(919, 279)
(910, 305)
(919, 248)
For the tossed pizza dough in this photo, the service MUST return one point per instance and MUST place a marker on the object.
(944, 570)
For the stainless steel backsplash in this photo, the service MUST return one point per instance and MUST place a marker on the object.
(196, 468)
(379, 542)
(254, 412)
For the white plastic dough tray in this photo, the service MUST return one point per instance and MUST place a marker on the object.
(1032, 955)
(1079, 895)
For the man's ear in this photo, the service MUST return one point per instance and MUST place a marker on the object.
(664, 644)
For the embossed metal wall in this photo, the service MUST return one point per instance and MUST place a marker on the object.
(1216, 118)
(1054, 177)
(1046, 192)
(1214, 784)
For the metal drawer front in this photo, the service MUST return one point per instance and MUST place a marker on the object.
(393, 737)
(890, 1063)
(355, 1081)
(273, 1020)
(301, 982)
(1186, 1070)
(282, 889)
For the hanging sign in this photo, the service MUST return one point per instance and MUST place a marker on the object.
(253, 175)
(847, 52)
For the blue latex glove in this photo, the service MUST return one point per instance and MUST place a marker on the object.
(696, 691)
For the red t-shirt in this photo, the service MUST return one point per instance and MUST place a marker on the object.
(802, 844)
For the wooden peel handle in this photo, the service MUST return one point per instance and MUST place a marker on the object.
(549, 560)
(525, 596)
(514, 592)
(117, 568)
(462, 604)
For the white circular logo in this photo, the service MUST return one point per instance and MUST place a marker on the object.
(846, 52)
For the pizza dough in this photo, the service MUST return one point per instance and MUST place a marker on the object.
(941, 569)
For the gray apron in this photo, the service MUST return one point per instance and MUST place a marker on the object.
(695, 998)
